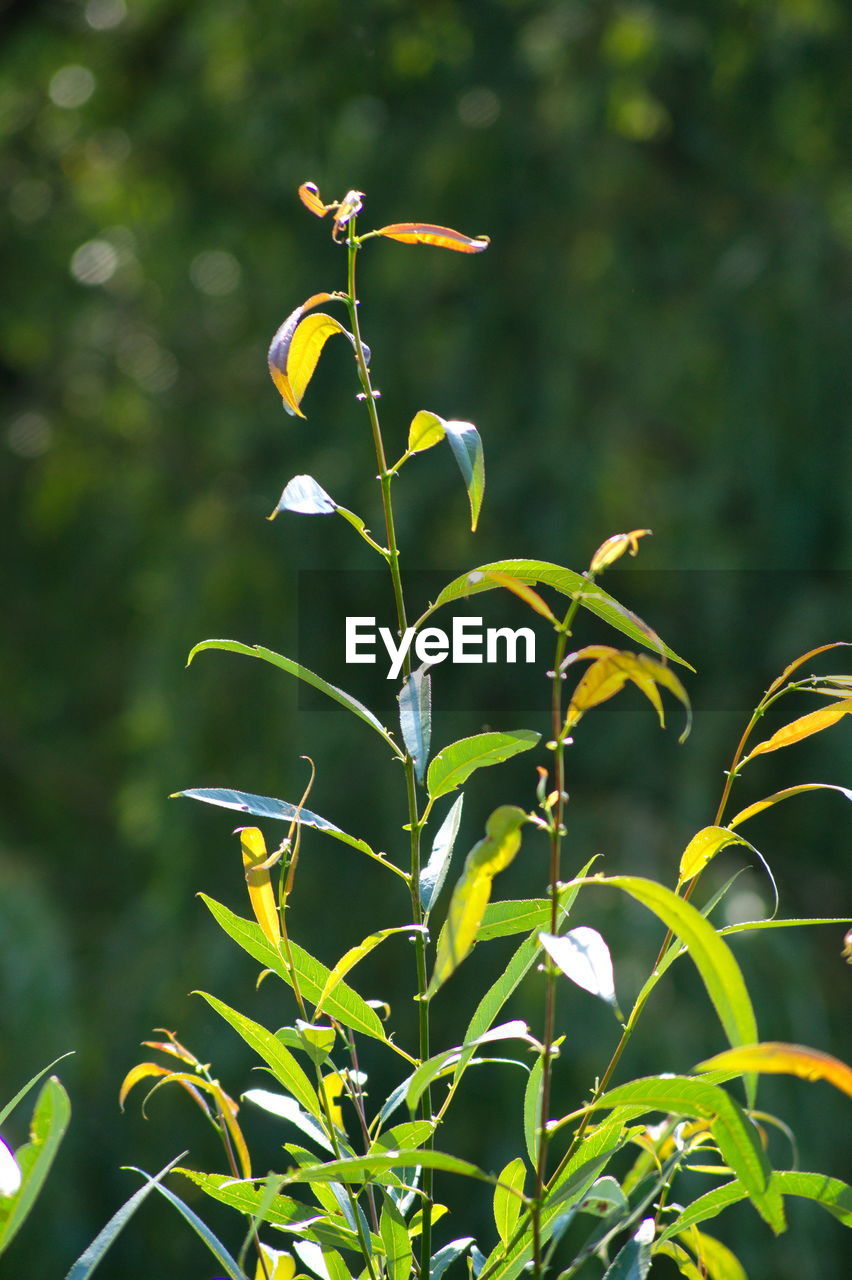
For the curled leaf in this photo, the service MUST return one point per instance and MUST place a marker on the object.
(614, 548)
(311, 199)
(304, 495)
(466, 444)
(440, 237)
(609, 673)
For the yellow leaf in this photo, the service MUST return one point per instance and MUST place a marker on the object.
(783, 1059)
(760, 805)
(524, 592)
(279, 353)
(331, 1087)
(802, 659)
(614, 548)
(310, 198)
(796, 730)
(426, 430)
(600, 682)
(613, 668)
(261, 893)
(427, 233)
(279, 1265)
(310, 337)
(702, 848)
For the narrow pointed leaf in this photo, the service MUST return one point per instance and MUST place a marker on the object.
(415, 717)
(438, 1065)
(520, 915)
(633, 1262)
(435, 872)
(508, 1198)
(442, 1259)
(356, 954)
(532, 1111)
(470, 896)
(784, 1059)
(525, 593)
(804, 727)
(802, 659)
(9, 1106)
(212, 1241)
(831, 1193)
(606, 676)
(247, 1196)
(568, 583)
(702, 848)
(466, 445)
(259, 882)
(302, 673)
(440, 237)
(760, 805)
(305, 496)
(452, 766)
(394, 1234)
(584, 957)
(287, 1108)
(377, 1165)
(716, 1259)
(426, 430)
(50, 1118)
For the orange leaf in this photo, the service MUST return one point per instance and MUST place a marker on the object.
(804, 727)
(310, 198)
(805, 657)
(440, 237)
(783, 1059)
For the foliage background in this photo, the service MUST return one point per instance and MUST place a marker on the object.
(654, 338)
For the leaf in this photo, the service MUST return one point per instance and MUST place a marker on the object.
(734, 1133)
(571, 584)
(344, 1005)
(247, 1196)
(614, 548)
(760, 805)
(287, 1108)
(415, 717)
(303, 495)
(355, 954)
(604, 1197)
(532, 1110)
(378, 1164)
(394, 1234)
(214, 1244)
(608, 674)
(520, 915)
(470, 896)
(802, 659)
(633, 1262)
(433, 875)
(702, 848)
(525, 593)
(832, 1194)
(261, 893)
(440, 1063)
(50, 1118)
(280, 1061)
(784, 1059)
(584, 957)
(508, 1198)
(310, 198)
(10, 1172)
(716, 1259)
(452, 766)
(442, 1259)
(280, 347)
(440, 237)
(426, 430)
(296, 669)
(466, 445)
(804, 727)
(89, 1259)
(9, 1107)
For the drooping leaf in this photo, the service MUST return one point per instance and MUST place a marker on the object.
(440, 1063)
(247, 1195)
(470, 896)
(804, 727)
(304, 495)
(344, 1004)
(802, 659)
(311, 199)
(434, 873)
(415, 717)
(302, 673)
(608, 674)
(832, 1194)
(702, 848)
(568, 583)
(50, 1118)
(440, 237)
(280, 348)
(466, 445)
(261, 893)
(356, 954)
(633, 1261)
(758, 807)
(280, 1061)
(426, 430)
(508, 1198)
(785, 1059)
(452, 766)
(584, 957)
(394, 1233)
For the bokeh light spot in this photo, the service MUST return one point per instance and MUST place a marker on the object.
(71, 86)
(215, 272)
(94, 262)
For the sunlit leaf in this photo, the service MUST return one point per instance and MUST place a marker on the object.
(394, 1233)
(760, 805)
(716, 1259)
(452, 766)
(614, 548)
(702, 848)
(378, 1164)
(603, 1198)
(32, 1161)
(440, 237)
(426, 430)
(279, 351)
(189, 1081)
(525, 593)
(832, 1194)
(804, 727)
(633, 1261)
(279, 1265)
(608, 674)
(584, 957)
(210, 1239)
(532, 1110)
(287, 1108)
(415, 717)
(444, 1257)
(784, 1059)
(434, 873)
(10, 1171)
(309, 338)
(356, 954)
(508, 1200)
(802, 659)
(261, 893)
(311, 199)
(304, 495)
(466, 445)
(247, 1196)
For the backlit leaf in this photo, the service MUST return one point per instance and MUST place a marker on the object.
(804, 727)
(279, 351)
(452, 766)
(309, 338)
(311, 199)
(287, 1108)
(832, 1194)
(466, 445)
(248, 1195)
(50, 1118)
(210, 1239)
(426, 430)
(378, 1164)
(415, 717)
(702, 848)
(802, 659)
(261, 893)
(584, 957)
(633, 1261)
(614, 548)
(470, 896)
(434, 873)
(508, 1200)
(608, 674)
(304, 495)
(394, 1234)
(532, 1110)
(716, 1259)
(784, 1059)
(440, 237)
(760, 805)
(355, 954)
(525, 593)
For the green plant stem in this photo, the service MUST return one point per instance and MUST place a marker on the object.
(415, 823)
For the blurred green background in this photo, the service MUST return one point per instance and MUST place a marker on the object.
(655, 338)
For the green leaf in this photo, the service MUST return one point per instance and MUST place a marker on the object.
(604, 1197)
(426, 430)
(520, 915)
(377, 1165)
(433, 875)
(394, 1234)
(89, 1259)
(214, 1244)
(470, 896)
(453, 766)
(466, 444)
(344, 1005)
(735, 1135)
(415, 717)
(508, 1198)
(633, 1262)
(832, 1194)
(50, 1118)
(9, 1107)
(571, 584)
(247, 1196)
(280, 1061)
(355, 954)
(716, 1259)
(532, 1110)
(302, 673)
(442, 1259)
(584, 957)
(439, 1064)
(304, 495)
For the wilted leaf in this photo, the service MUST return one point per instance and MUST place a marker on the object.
(440, 237)
(782, 1059)
(311, 199)
(466, 444)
